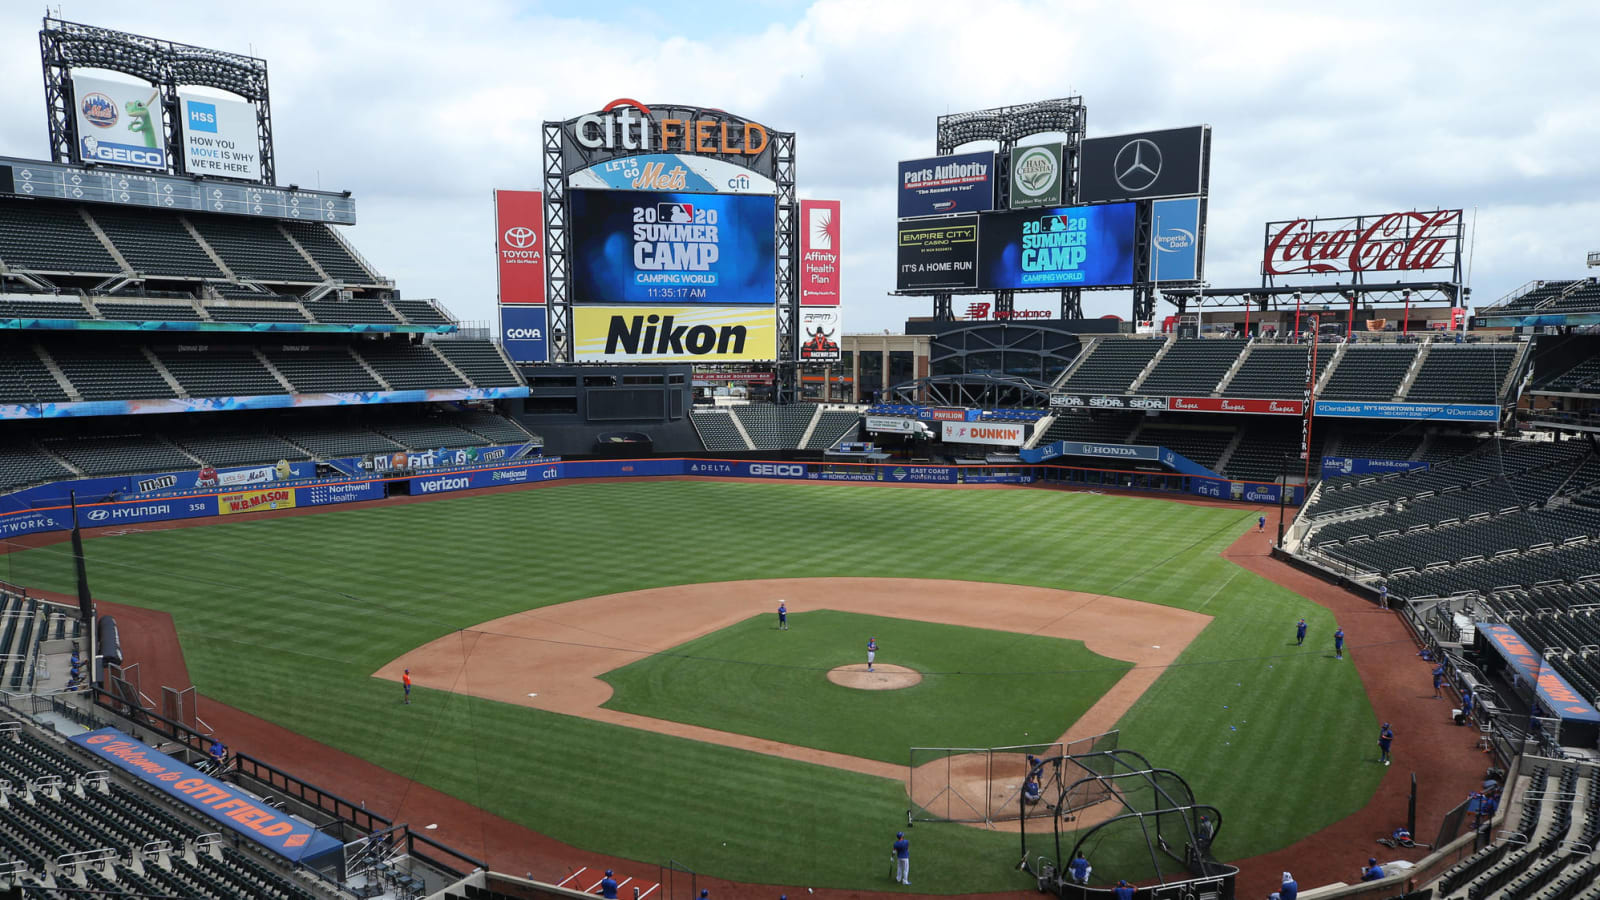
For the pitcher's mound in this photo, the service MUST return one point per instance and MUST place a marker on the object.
(883, 677)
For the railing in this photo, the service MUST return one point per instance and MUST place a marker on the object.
(455, 857)
(309, 794)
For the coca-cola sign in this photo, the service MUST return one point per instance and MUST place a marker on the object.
(1394, 242)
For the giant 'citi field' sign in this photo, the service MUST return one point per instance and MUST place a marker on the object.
(629, 128)
(1394, 242)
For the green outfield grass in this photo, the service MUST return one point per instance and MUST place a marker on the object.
(288, 618)
(752, 679)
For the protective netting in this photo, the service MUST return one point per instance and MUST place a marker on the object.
(989, 784)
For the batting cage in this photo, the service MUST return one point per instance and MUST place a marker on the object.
(984, 785)
(1126, 819)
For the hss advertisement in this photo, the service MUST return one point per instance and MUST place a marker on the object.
(646, 247)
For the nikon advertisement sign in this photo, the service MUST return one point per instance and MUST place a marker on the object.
(1036, 176)
(701, 334)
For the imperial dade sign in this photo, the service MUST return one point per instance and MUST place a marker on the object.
(1393, 242)
(1007, 435)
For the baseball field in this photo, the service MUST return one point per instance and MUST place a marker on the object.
(601, 663)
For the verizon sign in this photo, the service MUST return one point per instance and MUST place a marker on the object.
(1006, 435)
(1394, 242)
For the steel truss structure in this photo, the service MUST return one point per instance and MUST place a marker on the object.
(981, 391)
(64, 46)
(558, 260)
(1315, 297)
(1007, 125)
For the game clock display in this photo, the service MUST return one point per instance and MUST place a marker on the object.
(649, 247)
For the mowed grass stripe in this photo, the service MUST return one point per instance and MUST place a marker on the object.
(289, 617)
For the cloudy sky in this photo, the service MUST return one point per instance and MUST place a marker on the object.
(423, 108)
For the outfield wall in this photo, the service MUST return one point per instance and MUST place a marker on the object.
(55, 514)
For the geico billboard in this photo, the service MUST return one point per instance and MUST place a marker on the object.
(119, 122)
(674, 334)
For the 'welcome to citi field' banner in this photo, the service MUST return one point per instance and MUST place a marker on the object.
(519, 245)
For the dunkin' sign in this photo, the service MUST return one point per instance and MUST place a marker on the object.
(1394, 242)
(1003, 434)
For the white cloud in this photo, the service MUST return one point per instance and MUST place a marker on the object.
(421, 109)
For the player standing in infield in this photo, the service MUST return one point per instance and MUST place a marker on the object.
(872, 651)
(783, 616)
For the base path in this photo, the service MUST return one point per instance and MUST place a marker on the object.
(584, 639)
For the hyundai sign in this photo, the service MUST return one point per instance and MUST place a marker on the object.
(524, 333)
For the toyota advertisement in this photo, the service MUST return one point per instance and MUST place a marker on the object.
(1148, 164)
(119, 122)
(651, 247)
(519, 226)
(523, 332)
(946, 185)
(937, 255)
(1076, 246)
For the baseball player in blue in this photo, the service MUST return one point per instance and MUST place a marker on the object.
(1289, 889)
(1385, 738)
(872, 652)
(783, 616)
(1079, 869)
(902, 858)
(1300, 632)
(1338, 644)
(1466, 704)
(1373, 871)
(1261, 524)
(608, 887)
(1124, 890)
(1438, 681)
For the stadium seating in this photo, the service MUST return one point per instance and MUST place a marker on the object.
(255, 312)
(118, 454)
(833, 426)
(1585, 298)
(146, 312)
(717, 431)
(330, 253)
(1583, 377)
(223, 447)
(63, 307)
(1203, 445)
(50, 237)
(1275, 371)
(218, 371)
(420, 312)
(155, 244)
(1462, 374)
(1445, 447)
(1112, 365)
(112, 815)
(21, 464)
(328, 441)
(255, 248)
(320, 369)
(406, 366)
(495, 429)
(1105, 427)
(1266, 450)
(24, 378)
(774, 427)
(428, 434)
(1369, 372)
(111, 372)
(1540, 294)
(356, 311)
(1193, 367)
(480, 361)
(1395, 443)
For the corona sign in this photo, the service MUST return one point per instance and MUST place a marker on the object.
(627, 127)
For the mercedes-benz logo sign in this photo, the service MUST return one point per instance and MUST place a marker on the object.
(522, 236)
(1138, 165)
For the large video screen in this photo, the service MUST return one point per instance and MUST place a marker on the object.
(1073, 246)
(652, 247)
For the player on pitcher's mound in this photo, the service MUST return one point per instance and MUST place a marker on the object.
(872, 651)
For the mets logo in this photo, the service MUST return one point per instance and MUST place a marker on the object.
(99, 110)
